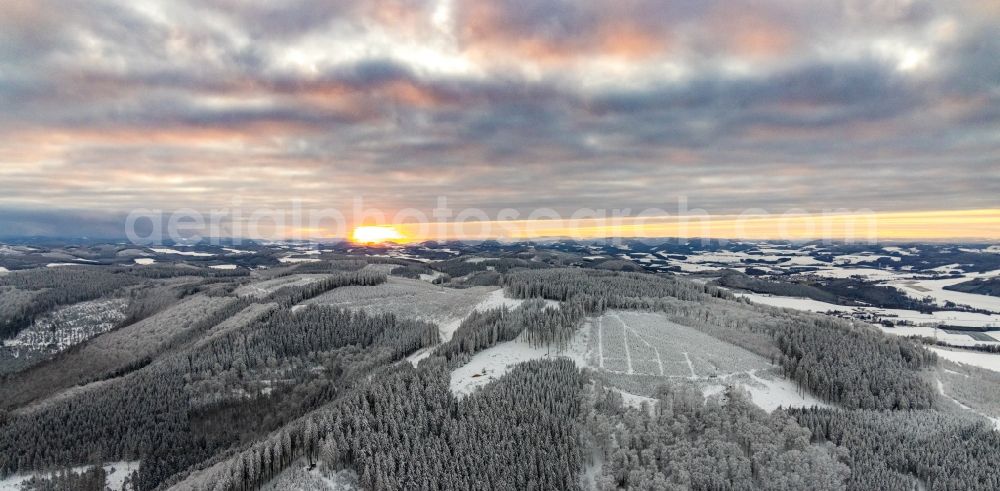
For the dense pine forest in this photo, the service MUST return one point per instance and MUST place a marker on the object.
(232, 381)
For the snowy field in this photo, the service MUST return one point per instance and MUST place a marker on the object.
(952, 337)
(989, 361)
(417, 299)
(409, 298)
(299, 477)
(261, 289)
(493, 363)
(640, 343)
(969, 319)
(292, 259)
(161, 250)
(493, 300)
(638, 351)
(935, 288)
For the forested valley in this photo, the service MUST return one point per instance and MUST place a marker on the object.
(215, 380)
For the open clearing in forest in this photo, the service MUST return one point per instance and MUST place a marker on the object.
(417, 299)
(639, 351)
(261, 289)
(641, 343)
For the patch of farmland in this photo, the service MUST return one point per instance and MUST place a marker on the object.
(261, 289)
(989, 361)
(935, 288)
(947, 317)
(958, 338)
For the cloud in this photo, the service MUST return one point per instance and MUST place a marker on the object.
(888, 105)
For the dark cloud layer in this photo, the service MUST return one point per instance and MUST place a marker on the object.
(887, 105)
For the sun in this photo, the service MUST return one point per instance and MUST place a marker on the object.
(376, 234)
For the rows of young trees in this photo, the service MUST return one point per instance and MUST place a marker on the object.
(56, 287)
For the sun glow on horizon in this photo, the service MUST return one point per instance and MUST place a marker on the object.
(377, 234)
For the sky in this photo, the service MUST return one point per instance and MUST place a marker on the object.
(730, 107)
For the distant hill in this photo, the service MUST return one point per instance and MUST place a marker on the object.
(981, 286)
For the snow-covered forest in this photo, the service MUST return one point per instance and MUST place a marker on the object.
(358, 371)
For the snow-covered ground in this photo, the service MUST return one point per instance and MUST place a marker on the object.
(298, 477)
(431, 277)
(870, 274)
(989, 361)
(261, 289)
(770, 394)
(163, 250)
(956, 338)
(115, 480)
(995, 421)
(4, 270)
(144, 261)
(493, 363)
(297, 259)
(493, 300)
(224, 266)
(935, 288)
(768, 389)
(632, 400)
(861, 258)
(947, 317)
(767, 392)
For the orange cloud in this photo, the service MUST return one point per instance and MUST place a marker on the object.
(911, 225)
